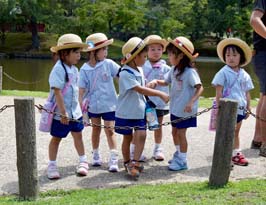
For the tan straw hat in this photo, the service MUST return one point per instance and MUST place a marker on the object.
(185, 45)
(131, 48)
(151, 39)
(237, 42)
(68, 41)
(96, 41)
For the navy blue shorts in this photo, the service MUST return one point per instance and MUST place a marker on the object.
(131, 123)
(108, 116)
(60, 130)
(259, 62)
(191, 122)
(161, 113)
(240, 118)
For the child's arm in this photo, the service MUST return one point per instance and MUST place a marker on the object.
(219, 94)
(151, 92)
(61, 106)
(156, 82)
(199, 90)
(81, 94)
(248, 103)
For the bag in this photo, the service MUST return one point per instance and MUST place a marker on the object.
(47, 118)
(213, 118)
(84, 109)
(151, 115)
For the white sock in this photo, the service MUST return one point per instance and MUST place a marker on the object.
(156, 146)
(183, 156)
(83, 158)
(96, 150)
(235, 151)
(53, 162)
(177, 147)
(132, 148)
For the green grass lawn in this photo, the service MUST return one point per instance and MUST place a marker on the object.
(250, 191)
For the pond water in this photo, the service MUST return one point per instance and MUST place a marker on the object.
(32, 74)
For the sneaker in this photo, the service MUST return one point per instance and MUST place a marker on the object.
(158, 154)
(142, 158)
(132, 169)
(177, 164)
(113, 162)
(239, 159)
(52, 172)
(82, 169)
(175, 155)
(96, 159)
(263, 150)
(255, 145)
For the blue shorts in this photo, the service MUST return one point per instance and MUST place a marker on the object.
(60, 130)
(131, 123)
(240, 118)
(108, 116)
(259, 62)
(191, 122)
(161, 113)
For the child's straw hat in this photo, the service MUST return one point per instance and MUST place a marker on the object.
(151, 39)
(237, 42)
(185, 45)
(68, 41)
(96, 41)
(131, 48)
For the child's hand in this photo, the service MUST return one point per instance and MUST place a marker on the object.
(188, 107)
(64, 119)
(152, 84)
(165, 97)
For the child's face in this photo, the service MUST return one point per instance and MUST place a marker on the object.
(102, 53)
(73, 57)
(232, 58)
(141, 58)
(173, 59)
(155, 52)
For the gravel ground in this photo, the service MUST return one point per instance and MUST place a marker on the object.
(200, 140)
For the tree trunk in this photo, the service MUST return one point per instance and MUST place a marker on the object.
(34, 33)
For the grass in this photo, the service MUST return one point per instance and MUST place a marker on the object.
(250, 191)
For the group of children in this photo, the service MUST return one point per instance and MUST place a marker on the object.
(144, 75)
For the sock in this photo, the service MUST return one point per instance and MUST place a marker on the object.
(83, 158)
(96, 150)
(183, 156)
(156, 146)
(53, 162)
(177, 148)
(235, 151)
(132, 148)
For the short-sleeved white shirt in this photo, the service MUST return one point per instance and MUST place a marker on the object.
(238, 83)
(182, 90)
(157, 71)
(57, 80)
(131, 104)
(99, 85)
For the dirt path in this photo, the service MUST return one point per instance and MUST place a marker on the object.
(200, 140)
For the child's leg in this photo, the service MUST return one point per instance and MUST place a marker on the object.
(159, 132)
(236, 138)
(176, 138)
(157, 151)
(110, 134)
(140, 138)
(53, 148)
(96, 131)
(125, 147)
(183, 139)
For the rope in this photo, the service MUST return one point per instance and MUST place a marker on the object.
(20, 82)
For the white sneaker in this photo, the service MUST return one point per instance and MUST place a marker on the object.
(113, 161)
(96, 159)
(158, 154)
(52, 172)
(82, 169)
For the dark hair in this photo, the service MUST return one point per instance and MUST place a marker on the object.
(237, 49)
(62, 54)
(184, 62)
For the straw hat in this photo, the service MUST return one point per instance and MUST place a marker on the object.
(237, 42)
(151, 39)
(68, 41)
(96, 41)
(185, 45)
(131, 48)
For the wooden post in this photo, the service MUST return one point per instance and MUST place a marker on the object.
(224, 140)
(1, 78)
(26, 148)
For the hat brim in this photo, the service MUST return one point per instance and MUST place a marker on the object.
(55, 49)
(106, 43)
(163, 42)
(188, 54)
(125, 61)
(235, 41)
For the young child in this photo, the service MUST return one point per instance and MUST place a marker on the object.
(156, 68)
(96, 83)
(233, 82)
(64, 75)
(131, 102)
(186, 88)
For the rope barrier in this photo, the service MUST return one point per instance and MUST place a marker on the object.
(20, 82)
